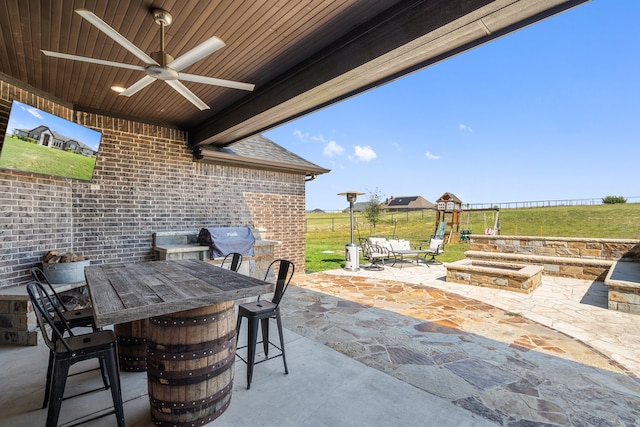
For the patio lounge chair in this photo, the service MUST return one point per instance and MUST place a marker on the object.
(375, 250)
(436, 247)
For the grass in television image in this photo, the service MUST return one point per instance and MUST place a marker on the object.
(42, 143)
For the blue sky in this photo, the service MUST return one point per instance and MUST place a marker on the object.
(24, 116)
(550, 112)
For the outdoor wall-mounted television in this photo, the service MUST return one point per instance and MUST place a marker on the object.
(42, 143)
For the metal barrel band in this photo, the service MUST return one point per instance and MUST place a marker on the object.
(131, 340)
(186, 321)
(199, 422)
(157, 374)
(191, 351)
(132, 358)
(177, 407)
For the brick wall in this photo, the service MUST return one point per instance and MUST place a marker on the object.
(145, 181)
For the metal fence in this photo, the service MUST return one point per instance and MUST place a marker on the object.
(332, 222)
(543, 203)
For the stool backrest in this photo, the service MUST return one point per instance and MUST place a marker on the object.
(39, 276)
(236, 261)
(40, 299)
(285, 273)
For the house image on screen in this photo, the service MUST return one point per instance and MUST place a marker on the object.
(49, 138)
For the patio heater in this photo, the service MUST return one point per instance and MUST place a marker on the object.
(351, 250)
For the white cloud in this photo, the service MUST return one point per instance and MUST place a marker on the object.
(300, 135)
(306, 136)
(318, 138)
(35, 112)
(465, 128)
(364, 154)
(431, 156)
(333, 149)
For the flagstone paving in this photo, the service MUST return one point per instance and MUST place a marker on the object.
(496, 363)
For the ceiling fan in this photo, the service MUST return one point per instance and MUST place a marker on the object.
(159, 65)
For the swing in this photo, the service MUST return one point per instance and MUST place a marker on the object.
(487, 230)
(464, 234)
(494, 219)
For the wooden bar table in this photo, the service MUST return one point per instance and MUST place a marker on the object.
(192, 333)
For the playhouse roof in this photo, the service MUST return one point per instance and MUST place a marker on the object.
(449, 197)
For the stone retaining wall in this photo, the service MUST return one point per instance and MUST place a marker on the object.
(572, 247)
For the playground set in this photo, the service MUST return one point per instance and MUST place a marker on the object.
(449, 216)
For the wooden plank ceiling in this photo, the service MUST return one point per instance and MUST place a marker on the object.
(301, 54)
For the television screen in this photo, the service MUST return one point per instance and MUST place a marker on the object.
(42, 143)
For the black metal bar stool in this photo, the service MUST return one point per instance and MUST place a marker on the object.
(71, 349)
(74, 318)
(261, 311)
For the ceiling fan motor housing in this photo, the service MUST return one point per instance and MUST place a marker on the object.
(161, 72)
(162, 17)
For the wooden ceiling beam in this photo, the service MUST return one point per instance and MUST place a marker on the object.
(409, 36)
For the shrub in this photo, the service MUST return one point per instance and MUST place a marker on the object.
(610, 200)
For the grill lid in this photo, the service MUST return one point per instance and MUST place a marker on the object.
(224, 240)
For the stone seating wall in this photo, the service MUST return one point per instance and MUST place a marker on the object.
(574, 257)
(616, 262)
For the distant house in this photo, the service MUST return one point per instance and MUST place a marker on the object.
(407, 203)
(49, 138)
(357, 207)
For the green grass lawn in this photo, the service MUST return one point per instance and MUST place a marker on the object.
(327, 234)
(26, 156)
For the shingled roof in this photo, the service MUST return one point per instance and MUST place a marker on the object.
(407, 203)
(259, 152)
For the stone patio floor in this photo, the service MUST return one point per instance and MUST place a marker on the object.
(555, 357)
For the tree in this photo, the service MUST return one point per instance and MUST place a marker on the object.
(610, 200)
(373, 209)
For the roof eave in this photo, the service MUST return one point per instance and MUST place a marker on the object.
(216, 157)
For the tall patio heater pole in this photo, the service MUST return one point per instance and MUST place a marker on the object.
(351, 250)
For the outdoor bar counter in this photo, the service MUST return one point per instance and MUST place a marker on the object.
(191, 343)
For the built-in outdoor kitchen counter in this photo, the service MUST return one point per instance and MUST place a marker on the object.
(184, 244)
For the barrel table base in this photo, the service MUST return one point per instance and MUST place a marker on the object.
(132, 345)
(190, 365)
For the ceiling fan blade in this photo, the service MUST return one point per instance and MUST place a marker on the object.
(204, 49)
(92, 60)
(182, 90)
(138, 86)
(116, 36)
(215, 82)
